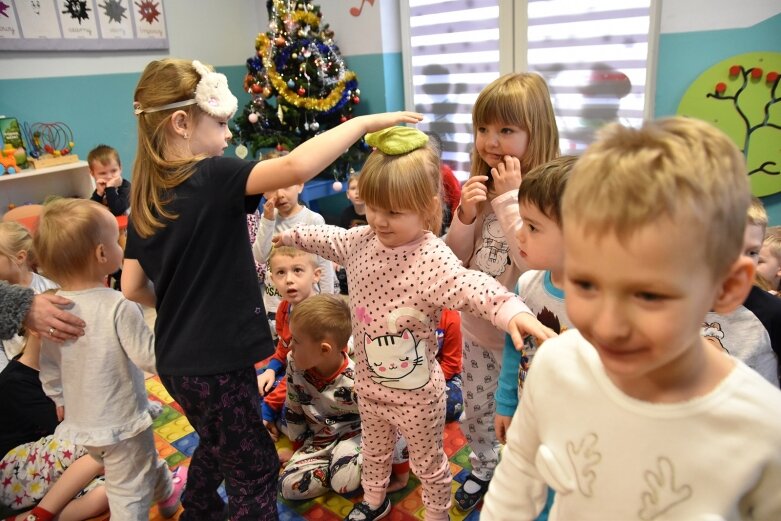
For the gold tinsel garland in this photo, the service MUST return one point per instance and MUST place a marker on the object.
(321, 104)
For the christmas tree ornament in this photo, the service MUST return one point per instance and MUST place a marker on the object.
(315, 126)
(241, 151)
(253, 118)
(337, 186)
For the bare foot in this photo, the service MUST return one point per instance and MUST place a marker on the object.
(284, 455)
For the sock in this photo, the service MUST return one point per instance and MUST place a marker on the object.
(39, 514)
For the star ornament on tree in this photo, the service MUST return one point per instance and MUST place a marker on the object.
(148, 11)
(77, 9)
(114, 10)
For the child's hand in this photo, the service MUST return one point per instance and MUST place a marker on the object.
(268, 208)
(473, 193)
(60, 413)
(272, 430)
(507, 175)
(276, 240)
(266, 381)
(114, 182)
(100, 187)
(501, 424)
(375, 122)
(524, 324)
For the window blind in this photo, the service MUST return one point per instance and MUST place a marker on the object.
(592, 53)
(454, 54)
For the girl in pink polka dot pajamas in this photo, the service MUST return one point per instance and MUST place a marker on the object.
(401, 277)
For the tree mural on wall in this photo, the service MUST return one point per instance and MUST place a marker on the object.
(741, 96)
(300, 86)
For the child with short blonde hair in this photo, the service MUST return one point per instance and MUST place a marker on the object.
(769, 266)
(654, 220)
(17, 262)
(295, 274)
(752, 332)
(401, 278)
(283, 211)
(77, 245)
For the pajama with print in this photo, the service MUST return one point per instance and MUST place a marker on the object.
(489, 245)
(396, 300)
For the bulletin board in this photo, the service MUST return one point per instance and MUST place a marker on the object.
(82, 25)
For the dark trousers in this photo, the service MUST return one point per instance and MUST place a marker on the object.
(234, 446)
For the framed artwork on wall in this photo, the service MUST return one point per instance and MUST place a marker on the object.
(82, 25)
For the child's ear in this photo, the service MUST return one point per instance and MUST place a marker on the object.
(325, 347)
(318, 274)
(735, 286)
(180, 122)
(100, 253)
(21, 257)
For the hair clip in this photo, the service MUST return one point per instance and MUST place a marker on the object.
(396, 141)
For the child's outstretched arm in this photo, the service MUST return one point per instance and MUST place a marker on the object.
(524, 324)
(312, 156)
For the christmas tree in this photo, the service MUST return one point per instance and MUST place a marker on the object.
(300, 86)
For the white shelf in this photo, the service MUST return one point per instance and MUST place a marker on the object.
(35, 185)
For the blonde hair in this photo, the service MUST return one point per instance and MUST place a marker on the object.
(544, 186)
(290, 251)
(683, 169)
(773, 241)
(162, 82)
(103, 154)
(405, 182)
(322, 317)
(68, 233)
(757, 215)
(521, 100)
(15, 238)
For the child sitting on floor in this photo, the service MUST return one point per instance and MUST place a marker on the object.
(322, 410)
(282, 211)
(295, 274)
(17, 262)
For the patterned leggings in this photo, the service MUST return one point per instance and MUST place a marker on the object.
(481, 377)
(234, 446)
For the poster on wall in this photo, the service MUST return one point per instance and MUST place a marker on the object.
(82, 25)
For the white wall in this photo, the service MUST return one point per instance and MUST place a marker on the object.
(219, 33)
(680, 16)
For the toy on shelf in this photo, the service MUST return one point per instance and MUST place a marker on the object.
(8, 160)
(50, 144)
